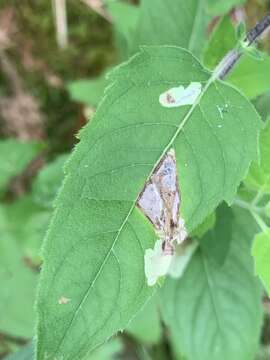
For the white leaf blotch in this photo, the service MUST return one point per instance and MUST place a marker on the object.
(156, 263)
(179, 96)
(63, 300)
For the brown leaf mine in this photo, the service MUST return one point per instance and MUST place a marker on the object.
(160, 202)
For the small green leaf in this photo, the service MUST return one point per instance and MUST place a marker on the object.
(220, 7)
(215, 312)
(88, 92)
(183, 23)
(259, 174)
(26, 223)
(18, 288)
(98, 236)
(254, 53)
(48, 182)
(27, 353)
(125, 17)
(14, 157)
(262, 104)
(261, 254)
(221, 41)
(240, 31)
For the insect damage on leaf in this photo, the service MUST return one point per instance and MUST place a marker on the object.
(160, 202)
(63, 300)
(179, 96)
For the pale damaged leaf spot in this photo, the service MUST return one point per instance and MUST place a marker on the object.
(157, 263)
(179, 96)
(63, 300)
(160, 203)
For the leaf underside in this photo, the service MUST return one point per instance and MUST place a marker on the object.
(95, 246)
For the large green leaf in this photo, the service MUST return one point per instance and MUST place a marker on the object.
(96, 243)
(261, 253)
(215, 312)
(251, 76)
(173, 22)
(14, 157)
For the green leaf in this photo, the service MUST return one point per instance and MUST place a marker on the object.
(48, 182)
(26, 223)
(27, 353)
(262, 104)
(206, 225)
(18, 287)
(221, 41)
(183, 23)
(215, 312)
(219, 7)
(241, 31)
(261, 253)
(259, 174)
(215, 244)
(22, 227)
(251, 76)
(125, 18)
(98, 236)
(146, 326)
(14, 157)
(108, 351)
(88, 92)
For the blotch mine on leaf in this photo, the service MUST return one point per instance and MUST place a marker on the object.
(179, 96)
(160, 203)
(63, 300)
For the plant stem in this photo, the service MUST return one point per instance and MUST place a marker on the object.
(260, 221)
(255, 211)
(249, 206)
(227, 63)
